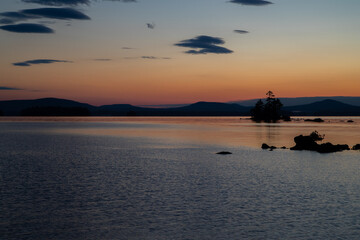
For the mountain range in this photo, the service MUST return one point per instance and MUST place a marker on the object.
(288, 102)
(64, 107)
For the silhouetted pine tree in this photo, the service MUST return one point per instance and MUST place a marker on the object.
(268, 112)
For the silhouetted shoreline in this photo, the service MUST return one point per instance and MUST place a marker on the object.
(48, 106)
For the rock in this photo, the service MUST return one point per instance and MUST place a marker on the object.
(272, 148)
(356, 147)
(305, 143)
(314, 120)
(265, 146)
(329, 148)
(309, 143)
(350, 121)
(224, 153)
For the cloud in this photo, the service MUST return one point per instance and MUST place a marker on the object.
(58, 2)
(13, 17)
(68, 2)
(27, 28)
(56, 13)
(150, 25)
(154, 58)
(103, 59)
(251, 2)
(52, 13)
(16, 15)
(6, 21)
(127, 48)
(204, 45)
(9, 88)
(241, 31)
(38, 61)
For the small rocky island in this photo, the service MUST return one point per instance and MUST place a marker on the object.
(309, 143)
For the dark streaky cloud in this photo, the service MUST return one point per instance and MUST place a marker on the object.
(240, 31)
(6, 21)
(68, 2)
(27, 28)
(16, 15)
(204, 44)
(52, 13)
(154, 58)
(9, 88)
(39, 61)
(13, 17)
(251, 2)
(150, 25)
(103, 59)
(56, 13)
(58, 2)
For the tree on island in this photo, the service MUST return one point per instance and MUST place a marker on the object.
(269, 111)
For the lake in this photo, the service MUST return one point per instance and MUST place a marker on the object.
(159, 178)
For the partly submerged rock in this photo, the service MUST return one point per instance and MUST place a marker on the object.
(309, 143)
(329, 148)
(265, 146)
(314, 120)
(356, 147)
(224, 153)
(305, 143)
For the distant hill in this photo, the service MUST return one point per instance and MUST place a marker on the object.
(212, 109)
(304, 100)
(14, 107)
(324, 108)
(63, 107)
(196, 109)
(51, 106)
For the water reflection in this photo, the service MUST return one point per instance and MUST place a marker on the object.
(229, 131)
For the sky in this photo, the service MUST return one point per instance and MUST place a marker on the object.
(147, 52)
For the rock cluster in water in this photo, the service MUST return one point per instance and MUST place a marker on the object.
(310, 143)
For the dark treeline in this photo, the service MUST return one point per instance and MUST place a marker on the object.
(55, 111)
(270, 111)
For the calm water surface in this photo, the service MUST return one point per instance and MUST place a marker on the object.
(158, 178)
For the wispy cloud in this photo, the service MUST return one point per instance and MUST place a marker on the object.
(4, 88)
(68, 2)
(241, 31)
(38, 13)
(103, 59)
(204, 45)
(150, 25)
(252, 2)
(27, 28)
(154, 58)
(6, 21)
(56, 13)
(39, 61)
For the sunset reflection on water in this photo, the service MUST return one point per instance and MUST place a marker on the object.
(228, 131)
